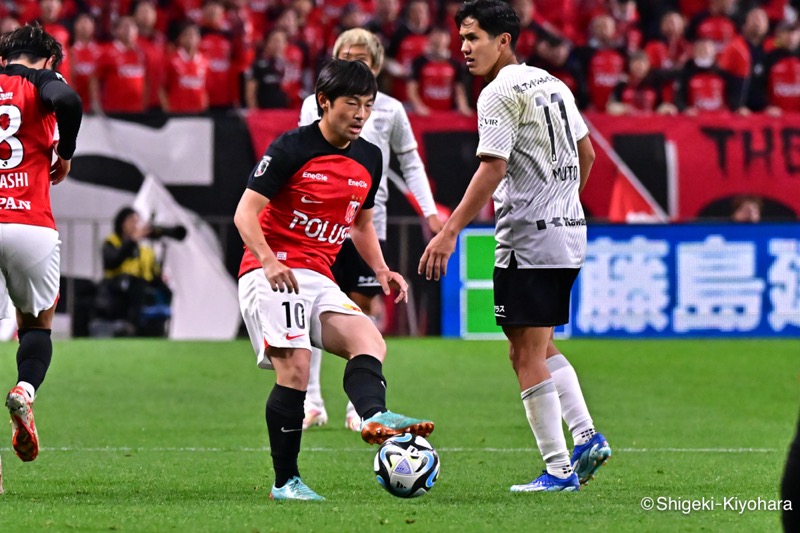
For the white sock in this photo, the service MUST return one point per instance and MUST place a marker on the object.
(351, 411)
(544, 416)
(28, 389)
(314, 392)
(573, 406)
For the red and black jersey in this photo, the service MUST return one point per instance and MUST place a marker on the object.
(32, 102)
(121, 72)
(186, 83)
(217, 47)
(783, 79)
(315, 191)
(604, 69)
(642, 96)
(84, 64)
(701, 88)
(437, 80)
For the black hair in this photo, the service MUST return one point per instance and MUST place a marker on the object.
(120, 218)
(340, 77)
(32, 42)
(495, 17)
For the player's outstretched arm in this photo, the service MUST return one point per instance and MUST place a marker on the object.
(365, 239)
(491, 171)
(280, 277)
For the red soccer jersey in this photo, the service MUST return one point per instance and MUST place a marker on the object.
(410, 47)
(25, 152)
(784, 83)
(292, 83)
(186, 83)
(121, 72)
(315, 192)
(605, 69)
(706, 92)
(735, 58)
(437, 81)
(217, 48)
(84, 64)
(155, 66)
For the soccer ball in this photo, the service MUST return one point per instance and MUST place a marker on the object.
(407, 466)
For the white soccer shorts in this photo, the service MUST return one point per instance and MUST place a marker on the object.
(285, 320)
(30, 259)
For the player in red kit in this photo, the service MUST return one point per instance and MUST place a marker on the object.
(34, 101)
(315, 186)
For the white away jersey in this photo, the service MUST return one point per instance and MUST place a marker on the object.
(389, 129)
(529, 118)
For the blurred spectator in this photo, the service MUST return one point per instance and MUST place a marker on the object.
(264, 88)
(783, 70)
(313, 34)
(671, 50)
(408, 43)
(701, 86)
(8, 23)
(602, 61)
(746, 209)
(566, 16)
(437, 80)
(50, 18)
(85, 53)
(132, 295)
(626, 18)
(385, 20)
(152, 43)
(216, 44)
(119, 84)
(553, 55)
(297, 75)
(532, 29)
(716, 23)
(258, 15)
(240, 24)
(351, 17)
(639, 92)
(184, 90)
(742, 60)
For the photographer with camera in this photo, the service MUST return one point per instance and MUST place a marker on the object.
(133, 299)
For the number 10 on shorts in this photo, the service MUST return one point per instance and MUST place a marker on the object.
(296, 311)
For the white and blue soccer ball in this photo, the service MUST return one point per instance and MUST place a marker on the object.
(407, 466)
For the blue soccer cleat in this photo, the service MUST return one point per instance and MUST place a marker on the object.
(549, 483)
(378, 428)
(588, 457)
(294, 489)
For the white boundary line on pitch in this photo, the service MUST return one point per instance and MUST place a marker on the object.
(112, 449)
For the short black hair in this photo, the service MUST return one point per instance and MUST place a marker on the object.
(120, 218)
(32, 42)
(495, 17)
(340, 77)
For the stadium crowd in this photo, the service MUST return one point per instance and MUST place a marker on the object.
(625, 57)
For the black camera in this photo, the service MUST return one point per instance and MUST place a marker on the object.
(171, 232)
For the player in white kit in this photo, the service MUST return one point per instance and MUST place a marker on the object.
(535, 159)
(389, 129)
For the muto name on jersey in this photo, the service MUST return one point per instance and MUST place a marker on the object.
(319, 229)
(569, 172)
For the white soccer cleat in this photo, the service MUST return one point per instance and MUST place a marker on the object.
(315, 417)
(24, 437)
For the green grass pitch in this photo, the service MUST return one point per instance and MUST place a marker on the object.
(157, 436)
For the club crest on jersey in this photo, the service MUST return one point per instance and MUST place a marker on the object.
(262, 165)
(352, 209)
